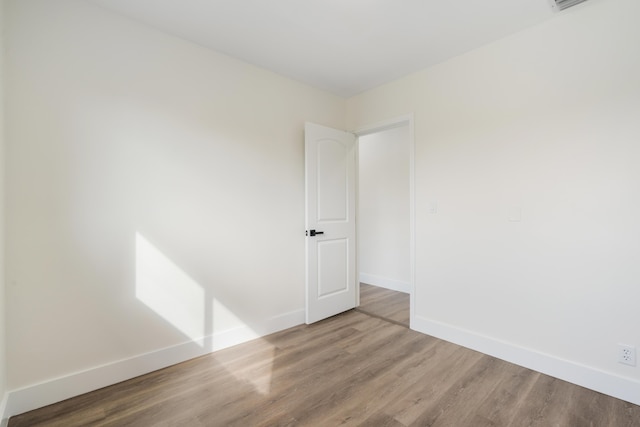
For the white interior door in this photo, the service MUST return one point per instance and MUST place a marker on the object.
(330, 181)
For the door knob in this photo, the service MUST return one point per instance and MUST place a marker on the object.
(313, 232)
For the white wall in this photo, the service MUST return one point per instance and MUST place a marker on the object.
(134, 157)
(155, 195)
(530, 148)
(3, 348)
(383, 208)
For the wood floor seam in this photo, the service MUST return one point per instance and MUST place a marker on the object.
(377, 316)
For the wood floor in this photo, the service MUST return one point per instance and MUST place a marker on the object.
(352, 369)
(385, 304)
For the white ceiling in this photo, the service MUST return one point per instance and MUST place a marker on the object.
(343, 46)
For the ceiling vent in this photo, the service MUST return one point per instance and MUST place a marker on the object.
(559, 5)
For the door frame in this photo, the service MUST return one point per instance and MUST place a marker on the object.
(405, 120)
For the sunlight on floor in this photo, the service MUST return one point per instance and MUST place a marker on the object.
(253, 370)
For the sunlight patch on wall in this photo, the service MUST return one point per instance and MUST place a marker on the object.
(166, 289)
(172, 294)
(225, 319)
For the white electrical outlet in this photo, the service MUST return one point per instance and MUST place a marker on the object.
(627, 354)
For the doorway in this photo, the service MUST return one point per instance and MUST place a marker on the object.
(385, 225)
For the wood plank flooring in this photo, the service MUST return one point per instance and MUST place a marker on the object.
(383, 303)
(352, 369)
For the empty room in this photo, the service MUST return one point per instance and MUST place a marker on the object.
(190, 233)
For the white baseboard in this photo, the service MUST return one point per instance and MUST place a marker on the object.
(385, 282)
(58, 389)
(4, 418)
(603, 382)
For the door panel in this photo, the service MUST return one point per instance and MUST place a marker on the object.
(333, 271)
(330, 163)
(332, 180)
